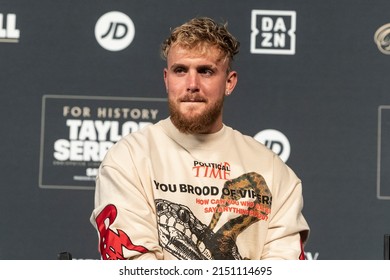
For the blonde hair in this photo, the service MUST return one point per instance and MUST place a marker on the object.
(200, 33)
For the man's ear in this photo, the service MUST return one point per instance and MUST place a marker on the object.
(231, 81)
(165, 71)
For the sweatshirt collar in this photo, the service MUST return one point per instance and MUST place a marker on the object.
(201, 141)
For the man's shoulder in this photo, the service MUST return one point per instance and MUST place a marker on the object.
(249, 144)
(248, 139)
(144, 131)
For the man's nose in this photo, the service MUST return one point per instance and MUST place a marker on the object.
(192, 81)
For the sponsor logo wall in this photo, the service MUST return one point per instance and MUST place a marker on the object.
(90, 125)
(77, 77)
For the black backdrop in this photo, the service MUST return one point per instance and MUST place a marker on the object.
(323, 84)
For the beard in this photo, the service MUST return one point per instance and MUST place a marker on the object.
(195, 123)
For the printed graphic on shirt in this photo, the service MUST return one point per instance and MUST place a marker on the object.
(112, 243)
(212, 170)
(186, 237)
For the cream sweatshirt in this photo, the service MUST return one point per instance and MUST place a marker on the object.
(161, 194)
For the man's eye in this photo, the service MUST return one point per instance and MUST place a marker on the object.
(206, 71)
(179, 70)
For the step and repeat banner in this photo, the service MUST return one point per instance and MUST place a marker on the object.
(76, 76)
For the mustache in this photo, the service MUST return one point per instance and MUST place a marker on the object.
(192, 98)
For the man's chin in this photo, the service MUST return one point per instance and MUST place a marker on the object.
(187, 124)
(188, 120)
(194, 119)
(191, 114)
(192, 108)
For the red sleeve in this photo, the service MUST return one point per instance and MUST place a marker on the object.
(302, 255)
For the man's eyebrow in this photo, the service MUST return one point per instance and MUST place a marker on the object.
(200, 66)
(175, 65)
(211, 66)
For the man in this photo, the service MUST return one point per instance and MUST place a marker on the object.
(189, 187)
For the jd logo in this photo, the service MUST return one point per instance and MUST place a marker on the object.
(8, 31)
(114, 31)
(276, 141)
(273, 32)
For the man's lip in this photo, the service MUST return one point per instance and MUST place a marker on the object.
(192, 99)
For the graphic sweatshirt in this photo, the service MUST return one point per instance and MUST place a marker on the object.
(161, 194)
